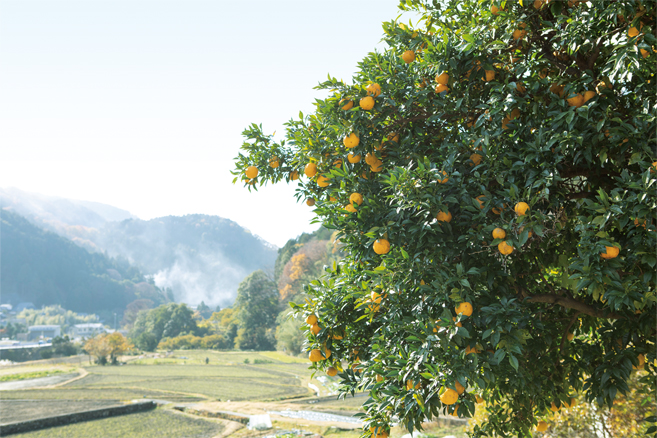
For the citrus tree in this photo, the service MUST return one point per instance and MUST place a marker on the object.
(492, 178)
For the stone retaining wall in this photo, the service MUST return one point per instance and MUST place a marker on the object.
(62, 420)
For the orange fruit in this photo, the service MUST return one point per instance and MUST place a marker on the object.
(315, 355)
(644, 53)
(640, 222)
(378, 432)
(337, 336)
(504, 248)
(479, 399)
(409, 385)
(356, 198)
(557, 89)
(520, 87)
(332, 372)
(632, 32)
(370, 158)
(310, 170)
(459, 388)
(443, 181)
(456, 411)
(315, 328)
(376, 297)
(408, 56)
(274, 162)
(322, 181)
(337, 163)
(521, 208)
(347, 106)
(373, 89)
(353, 158)
(490, 75)
(251, 172)
(480, 201)
(499, 233)
(449, 397)
(476, 159)
(469, 350)
(366, 103)
(440, 88)
(351, 141)
(570, 336)
(538, 4)
(554, 407)
(377, 166)
(464, 308)
(444, 217)
(588, 95)
(350, 208)
(294, 175)
(443, 78)
(379, 378)
(393, 136)
(541, 426)
(611, 252)
(642, 362)
(311, 319)
(310, 202)
(495, 10)
(458, 324)
(577, 100)
(519, 34)
(381, 246)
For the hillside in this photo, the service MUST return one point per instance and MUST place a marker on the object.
(43, 268)
(200, 257)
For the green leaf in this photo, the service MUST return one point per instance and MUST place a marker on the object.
(513, 361)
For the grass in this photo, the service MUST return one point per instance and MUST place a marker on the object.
(22, 410)
(29, 375)
(154, 424)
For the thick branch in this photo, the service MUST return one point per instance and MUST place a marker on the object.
(579, 195)
(571, 304)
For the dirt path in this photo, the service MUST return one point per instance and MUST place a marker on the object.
(38, 382)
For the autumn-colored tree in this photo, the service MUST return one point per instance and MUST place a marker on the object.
(492, 178)
(107, 347)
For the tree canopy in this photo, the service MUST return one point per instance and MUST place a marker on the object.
(492, 177)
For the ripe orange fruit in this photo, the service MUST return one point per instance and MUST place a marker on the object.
(640, 222)
(480, 201)
(573, 402)
(443, 181)
(440, 88)
(350, 208)
(337, 163)
(458, 324)
(455, 413)
(393, 136)
(378, 432)
(520, 87)
(644, 53)
(408, 56)
(274, 162)
(370, 158)
(315, 328)
(521, 208)
(315, 355)
(464, 308)
(310, 202)
(332, 372)
(476, 159)
(495, 10)
(347, 106)
(377, 166)
(322, 181)
(538, 4)
(381, 246)
(479, 399)
(642, 362)
(442, 79)
(557, 89)
(469, 350)
(588, 95)
(373, 89)
(311, 319)
(577, 100)
(520, 32)
(499, 233)
(356, 198)
(611, 252)
(366, 103)
(351, 141)
(541, 426)
(449, 397)
(490, 75)
(353, 158)
(251, 172)
(632, 32)
(294, 175)
(310, 170)
(459, 388)
(444, 217)
(504, 248)
(409, 385)
(570, 336)
(554, 407)
(379, 378)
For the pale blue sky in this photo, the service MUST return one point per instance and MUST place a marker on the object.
(140, 103)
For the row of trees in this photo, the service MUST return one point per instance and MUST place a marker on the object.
(491, 176)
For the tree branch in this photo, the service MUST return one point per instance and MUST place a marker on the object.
(571, 304)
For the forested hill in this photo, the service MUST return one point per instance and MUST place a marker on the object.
(43, 268)
(200, 257)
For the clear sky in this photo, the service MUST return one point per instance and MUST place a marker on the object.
(140, 104)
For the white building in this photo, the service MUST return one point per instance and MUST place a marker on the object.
(88, 330)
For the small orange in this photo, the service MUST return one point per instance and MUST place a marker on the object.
(555, 408)
(499, 233)
(315, 328)
(310, 202)
(642, 362)
(373, 89)
(311, 319)
(490, 75)
(541, 426)
(458, 324)
(377, 166)
(557, 89)
(323, 181)
(476, 159)
(315, 355)
(347, 106)
(409, 385)
(577, 100)
(356, 198)
(443, 78)
(570, 336)
(479, 399)
(588, 95)
(440, 88)
(310, 170)
(632, 32)
(520, 87)
(381, 246)
(449, 397)
(495, 10)
(294, 175)
(521, 208)
(444, 217)
(393, 136)
(444, 180)
(408, 56)
(332, 372)
(504, 248)
(469, 350)
(366, 103)
(350, 208)
(464, 308)
(480, 200)
(274, 162)
(351, 141)
(379, 378)
(353, 158)
(611, 252)
(251, 172)
(459, 388)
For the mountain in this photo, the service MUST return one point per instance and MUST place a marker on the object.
(200, 257)
(41, 267)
